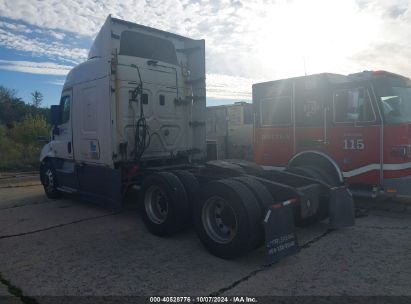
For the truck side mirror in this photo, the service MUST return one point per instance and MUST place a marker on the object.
(55, 115)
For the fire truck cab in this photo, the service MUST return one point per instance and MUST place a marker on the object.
(354, 129)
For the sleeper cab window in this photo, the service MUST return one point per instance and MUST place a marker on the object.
(162, 100)
(144, 98)
(352, 105)
(276, 111)
(132, 96)
(65, 109)
(146, 46)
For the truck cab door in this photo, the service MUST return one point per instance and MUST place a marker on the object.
(354, 133)
(310, 114)
(62, 145)
(62, 134)
(273, 138)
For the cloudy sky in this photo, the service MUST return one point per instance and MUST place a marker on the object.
(247, 41)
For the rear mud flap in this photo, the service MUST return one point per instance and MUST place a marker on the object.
(280, 237)
(341, 208)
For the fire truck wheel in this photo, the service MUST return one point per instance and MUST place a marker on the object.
(322, 212)
(191, 187)
(163, 204)
(325, 176)
(48, 178)
(263, 196)
(227, 218)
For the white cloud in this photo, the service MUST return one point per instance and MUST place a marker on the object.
(23, 29)
(229, 87)
(58, 82)
(57, 35)
(249, 39)
(15, 27)
(37, 47)
(45, 68)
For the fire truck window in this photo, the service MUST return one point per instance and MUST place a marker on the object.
(276, 111)
(248, 114)
(353, 105)
(309, 112)
(396, 105)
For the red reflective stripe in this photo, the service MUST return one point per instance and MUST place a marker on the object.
(293, 200)
(285, 203)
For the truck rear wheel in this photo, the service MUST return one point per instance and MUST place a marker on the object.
(163, 204)
(191, 187)
(227, 218)
(190, 184)
(263, 196)
(49, 180)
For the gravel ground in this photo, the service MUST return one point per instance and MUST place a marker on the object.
(69, 247)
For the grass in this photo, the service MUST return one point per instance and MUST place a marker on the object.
(20, 158)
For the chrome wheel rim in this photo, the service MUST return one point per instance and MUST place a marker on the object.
(219, 220)
(156, 204)
(49, 180)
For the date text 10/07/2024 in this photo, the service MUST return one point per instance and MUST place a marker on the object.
(235, 299)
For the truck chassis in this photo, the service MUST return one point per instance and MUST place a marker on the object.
(234, 205)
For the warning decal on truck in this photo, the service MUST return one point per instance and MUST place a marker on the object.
(280, 237)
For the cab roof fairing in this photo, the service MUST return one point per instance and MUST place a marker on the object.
(100, 52)
(102, 44)
(101, 47)
(86, 71)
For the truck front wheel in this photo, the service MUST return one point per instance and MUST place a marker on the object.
(49, 181)
(163, 204)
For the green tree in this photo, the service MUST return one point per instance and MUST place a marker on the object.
(3, 137)
(27, 130)
(25, 133)
(9, 151)
(20, 125)
(12, 108)
(37, 98)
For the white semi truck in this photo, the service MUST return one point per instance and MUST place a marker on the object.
(134, 114)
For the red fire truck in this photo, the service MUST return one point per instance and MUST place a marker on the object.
(354, 129)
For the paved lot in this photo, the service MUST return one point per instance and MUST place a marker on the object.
(70, 247)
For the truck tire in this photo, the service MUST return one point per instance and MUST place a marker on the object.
(191, 187)
(263, 196)
(163, 204)
(316, 173)
(49, 180)
(190, 184)
(227, 218)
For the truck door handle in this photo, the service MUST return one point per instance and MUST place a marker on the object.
(69, 147)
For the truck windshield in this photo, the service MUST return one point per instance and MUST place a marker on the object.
(396, 105)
